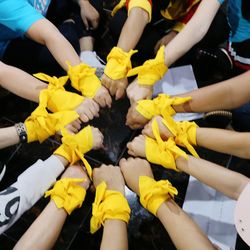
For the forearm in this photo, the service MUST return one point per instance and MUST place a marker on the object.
(29, 188)
(193, 32)
(62, 50)
(20, 83)
(44, 32)
(225, 181)
(228, 94)
(224, 141)
(132, 29)
(184, 232)
(8, 137)
(114, 235)
(42, 233)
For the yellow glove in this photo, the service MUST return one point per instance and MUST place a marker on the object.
(40, 124)
(75, 146)
(67, 194)
(184, 133)
(161, 105)
(161, 152)
(154, 193)
(152, 70)
(118, 63)
(108, 204)
(55, 97)
(83, 79)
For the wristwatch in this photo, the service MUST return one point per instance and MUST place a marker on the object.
(21, 131)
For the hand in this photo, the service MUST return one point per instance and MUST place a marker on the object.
(164, 131)
(89, 14)
(132, 169)
(115, 87)
(74, 126)
(87, 110)
(111, 175)
(136, 92)
(165, 40)
(134, 119)
(77, 171)
(137, 147)
(102, 97)
(97, 138)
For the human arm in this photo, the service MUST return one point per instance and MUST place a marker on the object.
(131, 33)
(115, 230)
(128, 39)
(174, 219)
(89, 14)
(8, 137)
(45, 33)
(20, 82)
(193, 32)
(220, 140)
(42, 233)
(22, 195)
(224, 141)
(224, 180)
(228, 94)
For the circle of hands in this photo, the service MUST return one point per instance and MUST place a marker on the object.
(90, 108)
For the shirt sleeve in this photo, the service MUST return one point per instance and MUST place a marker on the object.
(27, 190)
(221, 1)
(18, 15)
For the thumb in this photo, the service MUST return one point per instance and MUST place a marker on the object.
(119, 93)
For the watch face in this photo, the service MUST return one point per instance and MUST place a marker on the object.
(23, 137)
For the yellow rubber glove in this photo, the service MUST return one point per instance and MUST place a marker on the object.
(161, 105)
(55, 97)
(161, 152)
(152, 70)
(154, 193)
(75, 146)
(118, 63)
(40, 124)
(108, 204)
(67, 194)
(83, 79)
(184, 133)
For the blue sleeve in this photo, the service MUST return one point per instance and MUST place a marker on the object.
(18, 15)
(221, 1)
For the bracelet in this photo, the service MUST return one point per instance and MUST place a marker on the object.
(21, 131)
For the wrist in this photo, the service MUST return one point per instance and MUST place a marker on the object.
(161, 210)
(181, 163)
(82, 3)
(118, 188)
